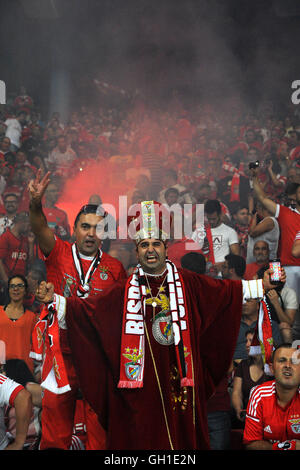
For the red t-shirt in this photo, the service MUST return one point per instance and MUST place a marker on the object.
(57, 220)
(13, 253)
(251, 270)
(289, 223)
(61, 271)
(179, 248)
(268, 421)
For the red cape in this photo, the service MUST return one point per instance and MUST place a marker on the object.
(134, 418)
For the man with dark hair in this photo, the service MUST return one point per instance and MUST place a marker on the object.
(16, 247)
(4, 147)
(272, 419)
(233, 267)
(261, 255)
(62, 156)
(194, 262)
(240, 214)
(81, 270)
(57, 218)
(222, 238)
(171, 196)
(11, 205)
(14, 126)
(170, 181)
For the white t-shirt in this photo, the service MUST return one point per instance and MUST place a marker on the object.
(8, 391)
(271, 237)
(5, 223)
(13, 131)
(223, 236)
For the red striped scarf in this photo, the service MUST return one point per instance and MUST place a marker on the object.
(46, 347)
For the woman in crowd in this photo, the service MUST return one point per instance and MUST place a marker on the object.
(17, 323)
(248, 374)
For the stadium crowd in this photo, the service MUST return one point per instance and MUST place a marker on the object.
(242, 165)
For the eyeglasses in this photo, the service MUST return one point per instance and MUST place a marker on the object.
(16, 286)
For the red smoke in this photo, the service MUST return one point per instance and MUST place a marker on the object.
(96, 178)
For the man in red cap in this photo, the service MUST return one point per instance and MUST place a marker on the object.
(156, 345)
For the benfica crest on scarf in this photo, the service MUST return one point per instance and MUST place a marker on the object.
(171, 331)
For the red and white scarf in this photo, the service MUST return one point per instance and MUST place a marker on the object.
(84, 287)
(45, 337)
(133, 333)
(235, 182)
(262, 342)
(46, 347)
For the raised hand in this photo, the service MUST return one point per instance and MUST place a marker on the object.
(45, 292)
(38, 186)
(268, 285)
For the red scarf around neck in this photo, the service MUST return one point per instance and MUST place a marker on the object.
(133, 330)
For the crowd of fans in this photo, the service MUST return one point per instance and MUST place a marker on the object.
(181, 154)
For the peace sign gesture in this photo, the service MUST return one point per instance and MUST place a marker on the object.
(38, 186)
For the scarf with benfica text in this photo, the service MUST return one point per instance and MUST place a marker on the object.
(133, 329)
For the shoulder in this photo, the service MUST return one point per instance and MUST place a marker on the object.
(60, 248)
(191, 278)
(8, 390)
(30, 314)
(111, 261)
(3, 379)
(227, 229)
(264, 391)
(62, 244)
(285, 211)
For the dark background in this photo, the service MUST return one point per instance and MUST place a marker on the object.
(204, 48)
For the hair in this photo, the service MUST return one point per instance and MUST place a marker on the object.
(171, 190)
(279, 346)
(212, 205)
(291, 188)
(171, 173)
(194, 262)
(89, 209)
(4, 196)
(251, 331)
(236, 206)
(38, 274)
(237, 262)
(21, 276)
(8, 284)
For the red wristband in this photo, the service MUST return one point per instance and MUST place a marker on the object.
(285, 445)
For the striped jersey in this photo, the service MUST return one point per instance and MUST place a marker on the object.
(266, 420)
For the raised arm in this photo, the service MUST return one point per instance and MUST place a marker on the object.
(38, 221)
(23, 408)
(261, 196)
